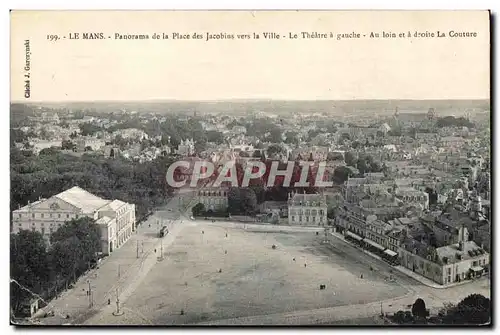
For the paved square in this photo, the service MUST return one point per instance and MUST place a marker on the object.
(254, 278)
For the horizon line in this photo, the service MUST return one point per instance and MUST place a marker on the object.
(238, 100)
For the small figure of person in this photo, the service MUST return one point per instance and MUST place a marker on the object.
(361, 276)
(109, 301)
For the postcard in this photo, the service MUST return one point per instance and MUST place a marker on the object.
(270, 168)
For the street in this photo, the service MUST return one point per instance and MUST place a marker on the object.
(115, 273)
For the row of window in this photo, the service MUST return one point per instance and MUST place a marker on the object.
(214, 201)
(42, 215)
(414, 198)
(307, 203)
(212, 193)
(321, 219)
(306, 212)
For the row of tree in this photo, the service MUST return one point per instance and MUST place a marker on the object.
(474, 309)
(42, 270)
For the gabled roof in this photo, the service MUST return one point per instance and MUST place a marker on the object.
(113, 205)
(82, 199)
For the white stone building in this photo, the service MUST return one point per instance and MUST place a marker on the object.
(213, 198)
(307, 209)
(116, 219)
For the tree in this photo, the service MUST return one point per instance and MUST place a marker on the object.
(79, 241)
(341, 174)
(275, 149)
(474, 309)
(418, 309)
(248, 201)
(87, 129)
(28, 265)
(275, 136)
(292, 137)
(234, 200)
(256, 154)
(312, 133)
(215, 136)
(198, 209)
(350, 159)
(67, 145)
(48, 151)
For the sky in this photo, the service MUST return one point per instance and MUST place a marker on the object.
(287, 69)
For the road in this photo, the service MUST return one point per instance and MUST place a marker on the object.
(117, 271)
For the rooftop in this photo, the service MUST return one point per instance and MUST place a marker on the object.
(82, 199)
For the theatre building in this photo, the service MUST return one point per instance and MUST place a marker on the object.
(115, 218)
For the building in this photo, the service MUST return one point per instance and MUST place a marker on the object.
(84, 143)
(186, 148)
(445, 265)
(39, 145)
(116, 219)
(49, 117)
(307, 209)
(213, 198)
(412, 196)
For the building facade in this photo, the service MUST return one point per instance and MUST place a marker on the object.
(307, 210)
(116, 219)
(448, 264)
(213, 198)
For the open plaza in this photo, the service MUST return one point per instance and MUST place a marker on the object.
(235, 273)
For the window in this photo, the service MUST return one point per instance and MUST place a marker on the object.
(42, 224)
(59, 216)
(32, 228)
(293, 218)
(448, 271)
(314, 219)
(33, 215)
(42, 215)
(43, 231)
(67, 216)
